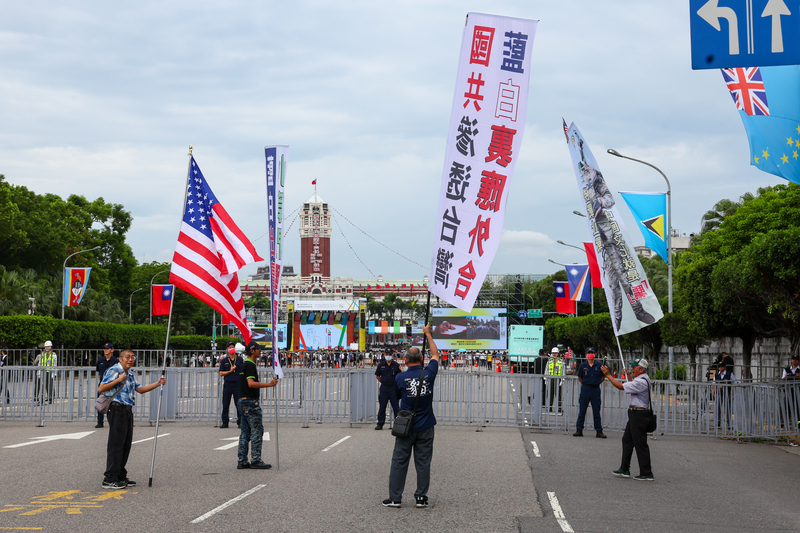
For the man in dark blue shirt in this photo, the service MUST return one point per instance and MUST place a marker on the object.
(421, 439)
(229, 369)
(104, 363)
(590, 376)
(386, 372)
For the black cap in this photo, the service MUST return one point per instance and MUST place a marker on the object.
(252, 345)
(108, 345)
(590, 350)
(231, 343)
(723, 363)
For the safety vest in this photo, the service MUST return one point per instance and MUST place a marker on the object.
(555, 367)
(47, 360)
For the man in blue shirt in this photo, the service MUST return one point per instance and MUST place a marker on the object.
(229, 369)
(591, 376)
(104, 363)
(120, 383)
(421, 439)
(386, 373)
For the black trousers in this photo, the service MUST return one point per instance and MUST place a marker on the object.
(230, 389)
(386, 395)
(635, 438)
(120, 436)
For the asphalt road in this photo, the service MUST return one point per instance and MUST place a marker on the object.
(333, 478)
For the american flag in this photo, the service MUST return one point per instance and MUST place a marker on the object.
(210, 251)
(747, 89)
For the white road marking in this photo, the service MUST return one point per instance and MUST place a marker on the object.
(150, 438)
(559, 514)
(336, 443)
(535, 449)
(227, 504)
(39, 440)
(235, 444)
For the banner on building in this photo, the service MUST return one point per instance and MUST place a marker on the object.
(487, 123)
(631, 300)
(276, 174)
(75, 282)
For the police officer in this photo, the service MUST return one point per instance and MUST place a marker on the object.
(591, 376)
(555, 367)
(104, 363)
(385, 373)
(229, 369)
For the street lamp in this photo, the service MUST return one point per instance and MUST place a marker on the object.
(669, 241)
(591, 291)
(130, 304)
(63, 277)
(151, 294)
(579, 214)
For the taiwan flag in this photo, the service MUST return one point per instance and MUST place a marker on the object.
(563, 302)
(162, 299)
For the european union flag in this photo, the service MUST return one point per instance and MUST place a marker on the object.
(767, 100)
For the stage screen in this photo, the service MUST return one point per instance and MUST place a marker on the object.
(479, 329)
(314, 337)
(262, 336)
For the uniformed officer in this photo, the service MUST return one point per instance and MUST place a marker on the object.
(591, 376)
(229, 369)
(104, 363)
(555, 367)
(385, 373)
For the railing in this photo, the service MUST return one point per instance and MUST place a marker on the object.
(479, 399)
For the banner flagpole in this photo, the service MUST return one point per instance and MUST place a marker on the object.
(169, 325)
(621, 359)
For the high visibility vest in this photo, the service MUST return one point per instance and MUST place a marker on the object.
(555, 367)
(47, 360)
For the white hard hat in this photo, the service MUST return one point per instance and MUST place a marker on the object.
(554, 350)
(47, 343)
(239, 347)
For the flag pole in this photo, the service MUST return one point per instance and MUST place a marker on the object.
(169, 325)
(621, 359)
(161, 390)
(277, 438)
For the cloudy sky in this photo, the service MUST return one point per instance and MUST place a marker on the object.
(102, 99)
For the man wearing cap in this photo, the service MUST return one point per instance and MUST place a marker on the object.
(120, 383)
(591, 376)
(792, 400)
(635, 436)
(725, 378)
(104, 363)
(46, 359)
(229, 369)
(555, 367)
(385, 373)
(252, 434)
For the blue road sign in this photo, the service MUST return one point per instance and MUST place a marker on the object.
(744, 33)
(522, 314)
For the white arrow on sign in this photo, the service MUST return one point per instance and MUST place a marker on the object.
(39, 440)
(711, 13)
(774, 9)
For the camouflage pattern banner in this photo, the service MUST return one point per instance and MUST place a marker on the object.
(631, 300)
(483, 142)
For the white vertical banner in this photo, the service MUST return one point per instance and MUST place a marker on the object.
(276, 174)
(632, 302)
(487, 122)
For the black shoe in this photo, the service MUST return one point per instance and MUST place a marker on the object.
(224, 426)
(99, 425)
(114, 485)
(379, 427)
(242, 466)
(578, 433)
(622, 473)
(600, 435)
(422, 501)
(261, 465)
(129, 482)
(389, 503)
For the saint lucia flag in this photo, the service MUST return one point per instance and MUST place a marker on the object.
(75, 281)
(766, 98)
(580, 283)
(650, 211)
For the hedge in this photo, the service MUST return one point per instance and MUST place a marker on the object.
(23, 331)
(199, 342)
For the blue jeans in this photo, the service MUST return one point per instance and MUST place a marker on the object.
(252, 434)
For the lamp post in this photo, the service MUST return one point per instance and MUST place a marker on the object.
(63, 277)
(591, 292)
(130, 304)
(669, 242)
(151, 294)
(579, 214)
(565, 266)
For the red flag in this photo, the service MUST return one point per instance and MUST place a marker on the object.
(563, 302)
(314, 182)
(594, 268)
(210, 251)
(162, 299)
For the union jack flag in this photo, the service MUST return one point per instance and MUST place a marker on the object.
(747, 89)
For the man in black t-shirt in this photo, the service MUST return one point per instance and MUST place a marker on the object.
(252, 434)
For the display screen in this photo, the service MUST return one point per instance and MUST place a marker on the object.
(479, 329)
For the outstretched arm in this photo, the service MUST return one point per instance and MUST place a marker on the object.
(434, 349)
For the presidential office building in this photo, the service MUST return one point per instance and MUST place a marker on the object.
(314, 282)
